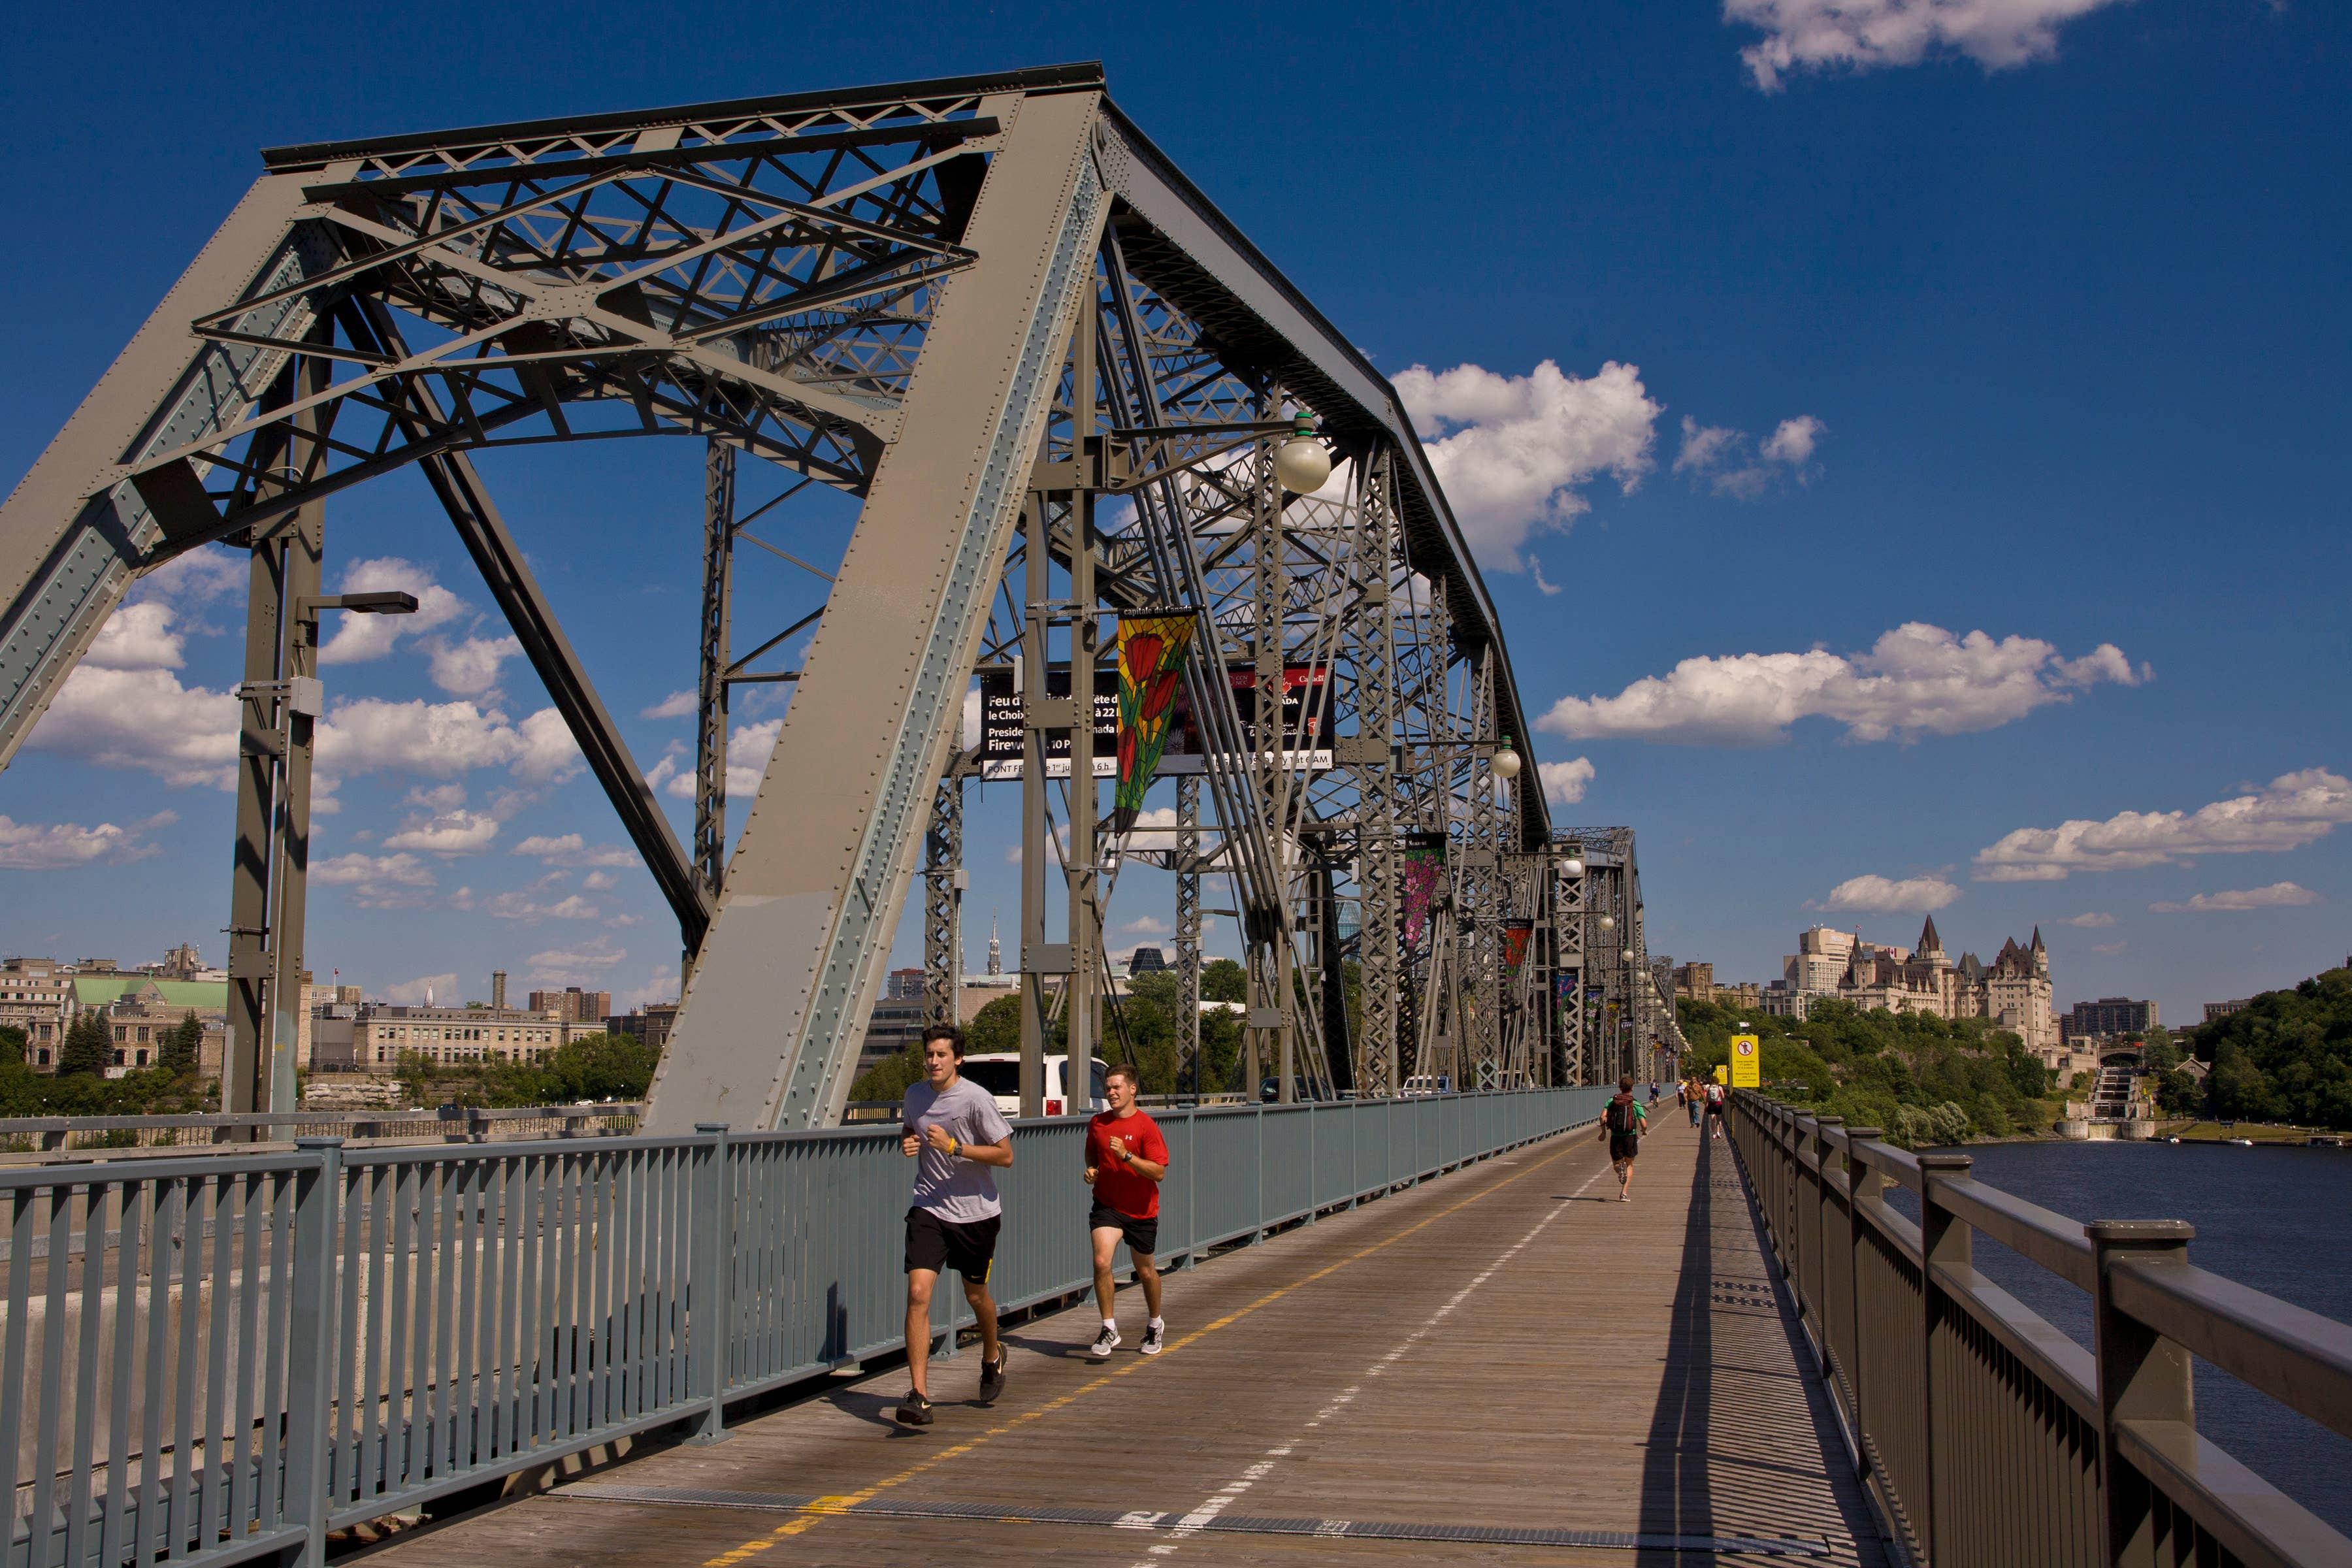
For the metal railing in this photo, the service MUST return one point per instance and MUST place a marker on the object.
(222, 1357)
(74, 1135)
(1986, 1433)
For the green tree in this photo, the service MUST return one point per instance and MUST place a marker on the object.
(1222, 980)
(87, 1050)
(182, 1046)
(12, 1045)
(2157, 1052)
(2180, 1094)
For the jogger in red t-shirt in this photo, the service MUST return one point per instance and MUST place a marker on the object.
(1126, 1158)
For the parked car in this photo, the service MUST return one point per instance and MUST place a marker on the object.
(1422, 1083)
(999, 1072)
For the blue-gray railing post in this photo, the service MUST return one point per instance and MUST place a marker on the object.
(709, 1317)
(2143, 1376)
(1944, 1241)
(310, 1346)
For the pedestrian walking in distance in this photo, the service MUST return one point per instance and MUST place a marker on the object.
(959, 1141)
(1126, 1159)
(1693, 1100)
(1715, 1109)
(1621, 1124)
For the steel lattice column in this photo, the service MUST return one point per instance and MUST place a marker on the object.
(710, 694)
(1486, 902)
(943, 904)
(1369, 644)
(1188, 927)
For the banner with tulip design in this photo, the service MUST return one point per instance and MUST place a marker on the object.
(1151, 649)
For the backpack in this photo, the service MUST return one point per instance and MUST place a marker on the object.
(1623, 1116)
(1715, 1094)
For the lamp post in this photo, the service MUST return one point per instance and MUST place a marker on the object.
(298, 700)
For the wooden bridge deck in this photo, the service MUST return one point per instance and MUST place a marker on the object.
(1502, 1366)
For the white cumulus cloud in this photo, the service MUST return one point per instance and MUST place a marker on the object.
(578, 965)
(572, 849)
(457, 832)
(2293, 810)
(1864, 35)
(442, 739)
(1886, 896)
(355, 870)
(1563, 783)
(143, 720)
(748, 751)
(2278, 895)
(470, 668)
(1918, 680)
(1721, 455)
(1514, 452)
(58, 845)
(2093, 922)
(137, 637)
(677, 705)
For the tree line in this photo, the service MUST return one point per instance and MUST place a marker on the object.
(80, 1086)
(1922, 1078)
(2285, 1056)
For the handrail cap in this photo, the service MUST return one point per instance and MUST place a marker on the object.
(1945, 1162)
(2140, 1232)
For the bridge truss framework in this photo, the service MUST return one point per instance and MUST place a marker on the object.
(1055, 379)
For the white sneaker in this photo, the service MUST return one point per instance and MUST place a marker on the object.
(1155, 1336)
(1105, 1342)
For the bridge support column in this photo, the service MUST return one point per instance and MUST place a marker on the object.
(1188, 930)
(796, 952)
(943, 883)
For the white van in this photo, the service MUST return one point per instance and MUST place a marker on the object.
(999, 1072)
(1421, 1084)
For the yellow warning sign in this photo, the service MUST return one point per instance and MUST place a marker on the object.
(1746, 1063)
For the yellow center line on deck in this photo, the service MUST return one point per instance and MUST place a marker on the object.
(824, 1508)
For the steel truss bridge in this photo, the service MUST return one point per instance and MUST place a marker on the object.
(1056, 381)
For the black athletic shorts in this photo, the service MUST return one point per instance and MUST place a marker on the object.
(939, 1244)
(1142, 1234)
(1624, 1146)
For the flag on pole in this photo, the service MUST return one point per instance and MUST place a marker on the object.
(1421, 862)
(1151, 649)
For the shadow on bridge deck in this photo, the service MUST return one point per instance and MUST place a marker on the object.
(1503, 1365)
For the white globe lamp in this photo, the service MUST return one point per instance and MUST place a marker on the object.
(1302, 463)
(1608, 922)
(1505, 762)
(1571, 866)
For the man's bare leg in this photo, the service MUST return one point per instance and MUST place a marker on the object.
(919, 1283)
(1105, 1240)
(1147, 1272)
(984, 1308)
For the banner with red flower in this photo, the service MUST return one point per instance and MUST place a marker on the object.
(1151, 649)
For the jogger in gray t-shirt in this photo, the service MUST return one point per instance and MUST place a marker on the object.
(959, 1139)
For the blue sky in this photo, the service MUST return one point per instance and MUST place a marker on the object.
(2026, 320)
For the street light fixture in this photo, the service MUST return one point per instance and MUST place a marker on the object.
(1572, 867)
(1505, 762)
(1608, 922)
(1302, 463)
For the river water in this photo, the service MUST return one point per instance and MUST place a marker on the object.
(2277, 1219)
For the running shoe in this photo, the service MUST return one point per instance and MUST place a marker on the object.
(1105, 1342)
(914, 1410)
(1155, 1338)
(992, 1378)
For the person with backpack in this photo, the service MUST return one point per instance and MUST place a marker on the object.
(1621, 1123)
(1715, 1109)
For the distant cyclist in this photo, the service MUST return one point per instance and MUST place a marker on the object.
(1126, 1161)
(1621, 1123)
